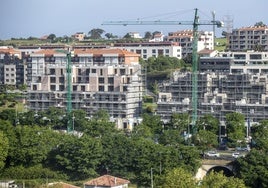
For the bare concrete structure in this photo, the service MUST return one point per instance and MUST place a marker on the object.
(101, 79)
(218, 94)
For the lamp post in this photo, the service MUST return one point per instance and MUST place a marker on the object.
(152, 178)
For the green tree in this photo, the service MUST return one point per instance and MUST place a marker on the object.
(96, 33)
(148, 35)
(77, 157)
(110, 36)
(206, 139)
(179, 178)
(235, 127)
(30, 146)
(52, 37)
(180, 122)
(218, 180)
(260, 24)
(260, 135)
(154, 122)
(253, 168)
(209, 123)
(3, 149)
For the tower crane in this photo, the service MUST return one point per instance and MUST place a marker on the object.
(195, 23)
(69, 89)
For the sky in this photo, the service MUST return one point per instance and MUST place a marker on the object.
(36, 18)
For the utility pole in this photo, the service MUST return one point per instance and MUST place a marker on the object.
(152, 178)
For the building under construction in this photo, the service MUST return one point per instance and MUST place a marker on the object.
(106, 79)
(225, 85)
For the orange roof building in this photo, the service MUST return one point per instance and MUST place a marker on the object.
(107, 181)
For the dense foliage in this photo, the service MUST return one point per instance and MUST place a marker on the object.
(34, 145)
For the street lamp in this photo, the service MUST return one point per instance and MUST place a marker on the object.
(152, 178)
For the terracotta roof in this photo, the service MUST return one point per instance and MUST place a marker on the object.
(95, 52)
(48, 52)
(105, 51)
(62, 185)
(107, 181)
(205, 51)
(9, 51)
(253, 28)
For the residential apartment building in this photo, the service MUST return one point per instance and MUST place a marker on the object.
(185, 39)
(106, 79)
(218, 95)
(12, 68)
(250, 62)
(152, 49)
(248, 38)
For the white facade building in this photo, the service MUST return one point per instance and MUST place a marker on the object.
(152, 49)
(185, 40)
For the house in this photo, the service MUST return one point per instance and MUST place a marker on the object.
(107, 181)
(79, 36)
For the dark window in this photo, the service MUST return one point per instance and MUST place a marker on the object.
(93, 71)
(61, 79)
(101, 80)
(83, 88)
(52, 87)
(52, 71)
(61, 87)
(111, 80)
(52, 80)
(110, 88)
(101, 88)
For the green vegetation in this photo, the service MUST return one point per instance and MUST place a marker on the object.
(32, 150)
(220, 44)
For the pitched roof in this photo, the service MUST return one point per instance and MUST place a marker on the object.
(62, 185)
(95, 52)
(9, 51)
(107, 180)
(105, 51)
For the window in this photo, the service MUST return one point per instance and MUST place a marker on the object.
(101, 88)
(52, 87)
(61, 79)
(34, 87)
(52, 71)
(93, 71)
(61, 87)
(110, 80)
(122, 71)
(110, 88)
(83, 88)
(101, 80)
(74, 88)
(167, 51)
(144, 51)
(101, 72)
(52, 80)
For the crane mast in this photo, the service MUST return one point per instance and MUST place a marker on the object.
(195, 25)
(69, 89)
(69, 92)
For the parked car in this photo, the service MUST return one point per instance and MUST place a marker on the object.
(245, 148)
(237, 154)
(212, 154)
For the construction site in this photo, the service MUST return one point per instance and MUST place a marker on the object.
(218, 94)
